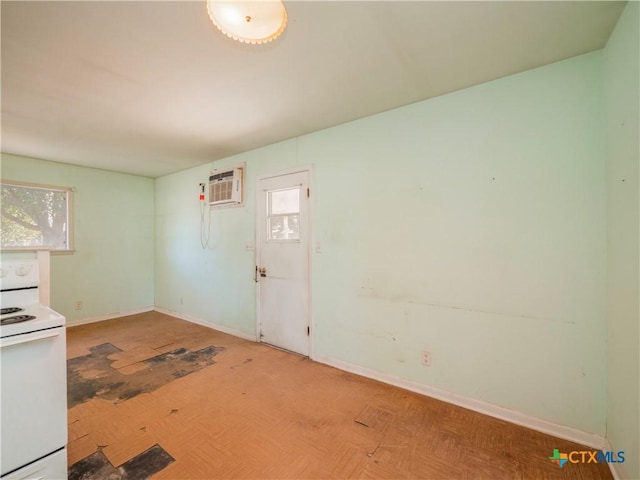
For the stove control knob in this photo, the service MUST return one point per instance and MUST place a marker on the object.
(23, 270)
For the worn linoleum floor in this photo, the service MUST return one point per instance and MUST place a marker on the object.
(152, 396)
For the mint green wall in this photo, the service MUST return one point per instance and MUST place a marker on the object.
(112, 269)
(622, 81)
(471, 225)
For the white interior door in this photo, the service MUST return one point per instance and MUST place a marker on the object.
(283, 261)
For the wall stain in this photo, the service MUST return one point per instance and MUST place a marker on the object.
(92, 376)
(371, 293)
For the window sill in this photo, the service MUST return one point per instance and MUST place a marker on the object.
(36, 249)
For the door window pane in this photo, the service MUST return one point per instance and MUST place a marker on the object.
(283, 215)
(284, 227)
(284, 201)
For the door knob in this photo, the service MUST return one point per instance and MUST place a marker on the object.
(262, 271)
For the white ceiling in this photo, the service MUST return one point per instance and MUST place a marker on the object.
(151, 88)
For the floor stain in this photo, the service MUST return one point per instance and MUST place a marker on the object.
(140, 467)
(91, 376)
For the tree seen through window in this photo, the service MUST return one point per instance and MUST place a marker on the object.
(34, 216)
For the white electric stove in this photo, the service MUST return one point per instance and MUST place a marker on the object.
(33, 394)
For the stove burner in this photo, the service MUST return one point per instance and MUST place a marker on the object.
(16, 319)
(8, 310)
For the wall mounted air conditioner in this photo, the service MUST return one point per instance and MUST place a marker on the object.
(225, 187)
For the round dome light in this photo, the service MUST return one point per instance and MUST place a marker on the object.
(252, 21)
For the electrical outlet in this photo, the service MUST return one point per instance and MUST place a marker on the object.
(426, 359)
(78, 305)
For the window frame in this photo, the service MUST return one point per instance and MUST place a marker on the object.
(70, 248)
(270, 215)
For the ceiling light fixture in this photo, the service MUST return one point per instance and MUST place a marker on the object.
(248, 21)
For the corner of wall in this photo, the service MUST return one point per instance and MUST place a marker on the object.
(621, 85)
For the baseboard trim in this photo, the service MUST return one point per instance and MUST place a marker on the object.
(615, 472)
(214, 326)
(584, 438)
(108, 316)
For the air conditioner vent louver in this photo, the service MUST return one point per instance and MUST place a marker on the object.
(225, 187)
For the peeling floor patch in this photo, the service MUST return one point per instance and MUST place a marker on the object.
(140, 467)
(92, 376)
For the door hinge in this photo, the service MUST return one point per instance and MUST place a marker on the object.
(308, 193)
(308, 330)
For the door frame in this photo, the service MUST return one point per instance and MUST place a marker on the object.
(258, 230)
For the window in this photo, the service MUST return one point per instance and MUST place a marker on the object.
(36, 216)
(284, 214)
